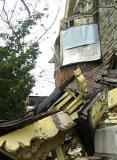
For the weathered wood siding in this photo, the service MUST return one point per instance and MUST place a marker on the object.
(65, 72)
(108, 27)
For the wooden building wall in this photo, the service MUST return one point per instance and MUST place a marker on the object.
(107, 20)
(108, 27)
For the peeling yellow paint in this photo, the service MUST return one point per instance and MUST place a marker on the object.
(112, 98)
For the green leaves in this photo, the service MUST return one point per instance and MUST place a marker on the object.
(17, 59)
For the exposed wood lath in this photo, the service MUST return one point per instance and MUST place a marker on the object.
(69, 8)
(79, 6)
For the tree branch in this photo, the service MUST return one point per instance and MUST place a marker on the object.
(50, 25)
(26, 7)
(13, 11)
(7, 17)
(35, 6)
(4, 2)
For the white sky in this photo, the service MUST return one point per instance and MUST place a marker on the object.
(45, 84)
(44, 71)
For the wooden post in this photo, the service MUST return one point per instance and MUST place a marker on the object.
(60, 153)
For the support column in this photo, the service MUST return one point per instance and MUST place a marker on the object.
(60, 153)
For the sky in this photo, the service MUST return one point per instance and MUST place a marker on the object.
(44, 71)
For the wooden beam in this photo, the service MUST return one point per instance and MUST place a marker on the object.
(77, 1)
(60, 153)
(37, 138)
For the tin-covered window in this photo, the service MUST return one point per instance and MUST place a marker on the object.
(81, 43)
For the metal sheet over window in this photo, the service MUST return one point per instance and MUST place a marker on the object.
(80, 35)
(82, 54)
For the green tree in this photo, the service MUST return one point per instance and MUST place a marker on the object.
(17, 59)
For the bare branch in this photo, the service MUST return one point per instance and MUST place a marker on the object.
(42, 25)
(35, 6)
(13, 11)
(50, 25)
(4, 2)
(7, 17)
(26, 7)
(3, 19)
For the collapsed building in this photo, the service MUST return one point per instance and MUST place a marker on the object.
(81, 113)
(87, 39)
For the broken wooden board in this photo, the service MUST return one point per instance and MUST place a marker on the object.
(112, 98)
(37, 139)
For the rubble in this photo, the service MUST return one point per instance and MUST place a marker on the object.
(84, 102)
